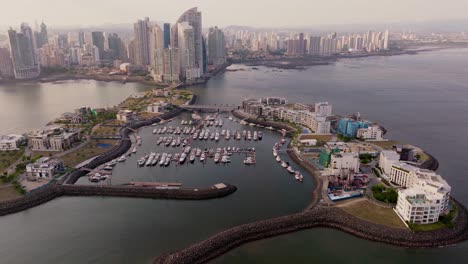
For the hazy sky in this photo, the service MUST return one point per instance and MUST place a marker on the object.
(269, 13)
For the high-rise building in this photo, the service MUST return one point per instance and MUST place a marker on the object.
(194, 19)
(6, 65)
(142, 51)
(98, 41)
(189, 70)
(216, 47)
(41, 36)
(167, 35)
(117, 50)
(171, 65)
(314, 48)
(81, 39)
(23, 52)
(157, 52)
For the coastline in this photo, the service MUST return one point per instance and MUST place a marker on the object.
(319, 217)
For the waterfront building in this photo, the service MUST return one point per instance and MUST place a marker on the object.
(402, 174)
(386, 160)
(323, 109)
(189, 70)
(426, 200)
(23, 53)
(126, 116)
(45, 167)
(273, 101)
(370, 133)
(53, 138)
(6, 64)
(194, 19)
(349, 127)
(142, 30)
(98, 41)
(11, 142)
(216, 47)
(344, 163)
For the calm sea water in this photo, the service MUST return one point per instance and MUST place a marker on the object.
(27, 106)
(421, 99)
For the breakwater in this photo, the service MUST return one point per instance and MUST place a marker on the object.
(53, 191)
(147, 192)
(329, 217)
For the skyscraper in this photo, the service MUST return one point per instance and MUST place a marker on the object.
(23, 51)
(6, 65)
(216, 47)
(167, 35)
(142, 31)
(194, 19)
(98, 41)
(157, 52)
(171, 65)
(41, 37)
(189, 70)
(81, 39)
(117, 49)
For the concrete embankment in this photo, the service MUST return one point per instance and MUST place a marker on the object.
(243, 116)
(330, 217)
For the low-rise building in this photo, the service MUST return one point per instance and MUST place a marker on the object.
(344, 163)
(11, 142)
(370, 133)
(53, 138)
(44, 168)
(158, 107)
(323, 109)
(126, 115)
(426, 200)
(160, 93)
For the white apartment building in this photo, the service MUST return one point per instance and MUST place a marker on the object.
(11, 142)
(426, 200)
(387, 159)
(344, 162)
(372, 133)
(126, 115)
(44, 168)
(323, 109)
(402, 174)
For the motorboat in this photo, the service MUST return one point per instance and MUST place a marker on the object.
(216, 157)
(122, 158)
(278, 159)
(150, 159)
(290, 169)
(284, 164)
(182, 158)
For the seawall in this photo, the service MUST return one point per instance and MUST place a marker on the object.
(330, 217)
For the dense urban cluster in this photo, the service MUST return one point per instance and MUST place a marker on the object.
(169, 53)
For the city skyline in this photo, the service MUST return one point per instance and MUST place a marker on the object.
(297, 13)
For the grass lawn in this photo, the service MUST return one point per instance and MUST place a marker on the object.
(9, 157)
(386, 144)
(87, 152)
(320, 138)
(8, 193)
(367, 211)
(428, 227)
(105, 131)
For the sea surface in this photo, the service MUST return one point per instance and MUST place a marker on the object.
(420, 99)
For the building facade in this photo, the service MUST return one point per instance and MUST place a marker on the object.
(11, 142)
(45, 167)
(24, 53)
(52, 138)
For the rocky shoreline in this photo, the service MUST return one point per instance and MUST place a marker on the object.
(329, 217)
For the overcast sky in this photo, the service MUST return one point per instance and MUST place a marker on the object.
(258, 13)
